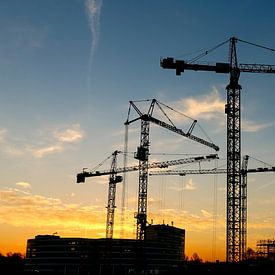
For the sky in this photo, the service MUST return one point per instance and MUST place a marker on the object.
(68, 69)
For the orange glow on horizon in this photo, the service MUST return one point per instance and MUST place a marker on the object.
(24, 215)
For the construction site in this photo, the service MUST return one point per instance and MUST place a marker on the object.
(160, 248)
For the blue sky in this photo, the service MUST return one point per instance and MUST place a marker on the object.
(68, 69)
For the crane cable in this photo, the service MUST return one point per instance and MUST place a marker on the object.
(176, 111)
(265, 163)
(203, 52)
(180, 113)
(100, 164)
(207, 51)
(256, 45)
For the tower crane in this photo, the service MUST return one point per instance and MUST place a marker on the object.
(244, 171)
(233, 111)
(114, 179)
(143, 154)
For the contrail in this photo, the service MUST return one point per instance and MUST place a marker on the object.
(93, 9)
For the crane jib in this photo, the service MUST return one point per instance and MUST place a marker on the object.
(180, 66)
(162, 164)
(179, 131)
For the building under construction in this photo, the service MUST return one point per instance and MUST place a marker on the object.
(162, 250)
(266, 249)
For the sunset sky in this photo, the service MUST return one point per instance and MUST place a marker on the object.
(68, 69)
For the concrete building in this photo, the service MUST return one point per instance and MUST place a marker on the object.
(51, 254)
(266, 249)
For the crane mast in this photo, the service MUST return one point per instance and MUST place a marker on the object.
(244, 172)
(233, 111)
(142, 155)
(113, 180)
(234, 244)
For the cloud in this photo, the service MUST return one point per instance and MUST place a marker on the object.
(193, 222)
(93, 9)
(205, 107)
(208, 107)
(52, 149)
(56, 142)
(122, 132)
(3, 133)
(46, 142)
(70, 135)
(206, 214)
(190, 186)
(14, 151)
(36, 211)
(250, 126)
(71, 195)
(8, 148)
(46, 214)
(23, 184)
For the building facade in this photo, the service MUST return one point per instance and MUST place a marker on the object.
(51, 254)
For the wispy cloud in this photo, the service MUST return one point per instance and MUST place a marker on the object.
(122, 132)
(206, 213)
(23, 184)
(70, 135)
(208, 107)
(3, 133)
(193, 222)
(48, 141)
(6, 146)
(26, 209)
(13, 151)
(47, 214)
(52, 149)
(190, 186)
(250, 126)
(205, 107)
(93, 9)
(58, 140)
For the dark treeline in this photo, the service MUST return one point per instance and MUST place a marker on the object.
(13, 264)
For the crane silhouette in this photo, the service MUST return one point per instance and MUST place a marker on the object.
(114, 178)
(234, 236)
(215, 171)
(143, 152)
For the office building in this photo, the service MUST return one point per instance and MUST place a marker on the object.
(51, 254)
